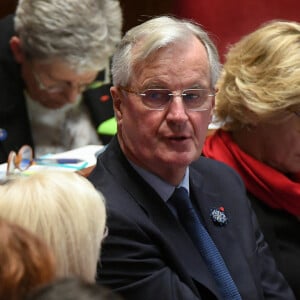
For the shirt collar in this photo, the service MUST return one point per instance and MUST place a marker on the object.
(164, 189)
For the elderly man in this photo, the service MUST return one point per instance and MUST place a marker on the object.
(180, 224)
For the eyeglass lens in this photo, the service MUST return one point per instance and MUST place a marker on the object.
(64, 86)
(193, 99)
(59, 87)
(21, 161)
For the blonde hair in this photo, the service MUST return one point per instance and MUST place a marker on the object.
(260, 80)
(65, 210)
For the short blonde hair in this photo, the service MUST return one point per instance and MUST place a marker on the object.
(65, 210)
(260, 80)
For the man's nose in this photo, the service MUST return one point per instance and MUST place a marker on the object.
(176, 108)
(72, 94)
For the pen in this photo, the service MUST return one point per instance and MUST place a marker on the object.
(58, 160)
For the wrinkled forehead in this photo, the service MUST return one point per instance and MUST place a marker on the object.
(179, 55)
(146, 46)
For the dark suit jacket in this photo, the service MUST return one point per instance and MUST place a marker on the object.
(147, 254)
(13, 111)
(281, 231)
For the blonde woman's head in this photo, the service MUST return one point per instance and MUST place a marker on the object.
(65, 210)
(260, 81)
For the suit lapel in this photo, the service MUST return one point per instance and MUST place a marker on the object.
(225, 237)
(182, 249)
(182, 246)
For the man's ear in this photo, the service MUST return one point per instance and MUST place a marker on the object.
(16, 48)
(117, 102)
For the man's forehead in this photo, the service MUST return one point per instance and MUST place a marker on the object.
(58, 70)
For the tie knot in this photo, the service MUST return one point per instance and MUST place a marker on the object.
(180, 200)
(180, 192)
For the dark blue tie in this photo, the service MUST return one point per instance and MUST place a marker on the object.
(189, 219)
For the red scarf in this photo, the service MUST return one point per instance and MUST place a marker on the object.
(267, 184)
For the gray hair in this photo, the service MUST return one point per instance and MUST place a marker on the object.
(157, 33)
(82, 33)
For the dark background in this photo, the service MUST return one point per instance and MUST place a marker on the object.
(134, 11)
(226, 21)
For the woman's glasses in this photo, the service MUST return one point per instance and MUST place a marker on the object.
(17, 162)
(20, 161)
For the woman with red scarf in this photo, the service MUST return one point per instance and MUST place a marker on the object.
(258, 104)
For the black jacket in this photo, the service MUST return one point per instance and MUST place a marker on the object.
(148, 255)
(281, 231)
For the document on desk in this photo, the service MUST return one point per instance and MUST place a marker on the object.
(85, 155)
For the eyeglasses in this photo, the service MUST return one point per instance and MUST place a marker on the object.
(159, 99)
(59, 87)
(17, 161)
(20, 161)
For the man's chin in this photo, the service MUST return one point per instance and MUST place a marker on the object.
(179, 161)
(53, 105)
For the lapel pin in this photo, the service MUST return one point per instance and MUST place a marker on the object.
(218, 216)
